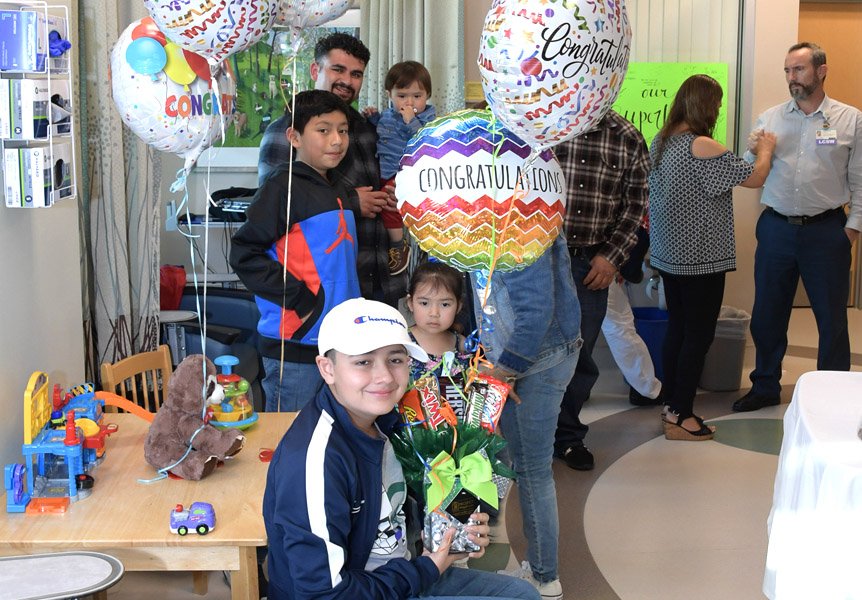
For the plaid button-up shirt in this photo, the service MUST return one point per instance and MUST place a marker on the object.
(606, 172)
(359, 168)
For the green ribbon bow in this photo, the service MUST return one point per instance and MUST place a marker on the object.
(474, 473)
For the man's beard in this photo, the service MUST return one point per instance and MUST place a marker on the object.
(800, 91)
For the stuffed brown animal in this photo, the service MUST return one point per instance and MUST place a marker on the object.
(180, 423)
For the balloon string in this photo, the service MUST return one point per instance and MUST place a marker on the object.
(214, 69)
(286, 232)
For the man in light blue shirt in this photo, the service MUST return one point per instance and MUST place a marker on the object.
(804, 230)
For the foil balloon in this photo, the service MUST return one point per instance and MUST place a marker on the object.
(459, 193)
(551, 70)
(172, 117)
(214, 29)
(310, 13)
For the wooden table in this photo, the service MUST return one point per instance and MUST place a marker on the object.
(129, 520)
(815, 525)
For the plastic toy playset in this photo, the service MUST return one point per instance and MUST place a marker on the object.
(64, 441)
(236, 409)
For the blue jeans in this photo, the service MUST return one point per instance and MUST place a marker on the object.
(819, 253)
(594, 304)
(470, 583)
(529, 430)
(300, 383)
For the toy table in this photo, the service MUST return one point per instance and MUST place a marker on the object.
(59, 575)
(130, 520)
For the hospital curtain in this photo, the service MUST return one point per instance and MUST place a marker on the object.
(428, 31)
(119, 202)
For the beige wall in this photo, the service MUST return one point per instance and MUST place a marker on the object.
(773, 25)
(41, 316)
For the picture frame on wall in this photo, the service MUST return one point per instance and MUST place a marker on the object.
(264, 81)
(258, 103)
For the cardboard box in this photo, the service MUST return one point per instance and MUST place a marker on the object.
(24, 40)
(5, 109)
(29, 106)
(29, 100)
(28, 176)
(62, 165)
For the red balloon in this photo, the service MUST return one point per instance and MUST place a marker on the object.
(148, 28)
(198, 64)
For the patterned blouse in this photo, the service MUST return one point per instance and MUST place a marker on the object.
(691, 208)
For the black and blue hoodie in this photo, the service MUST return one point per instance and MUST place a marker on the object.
(320, 235)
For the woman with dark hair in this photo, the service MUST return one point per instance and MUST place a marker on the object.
(692, 242)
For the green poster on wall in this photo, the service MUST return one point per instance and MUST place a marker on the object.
(649, 88)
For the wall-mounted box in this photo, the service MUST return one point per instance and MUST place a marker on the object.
(23, 40)
(36, 177)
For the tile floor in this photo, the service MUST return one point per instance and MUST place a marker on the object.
(655, 519)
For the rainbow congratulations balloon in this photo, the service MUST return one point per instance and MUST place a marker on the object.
(459, 194)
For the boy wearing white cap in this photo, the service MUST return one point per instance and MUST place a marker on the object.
(333, 505)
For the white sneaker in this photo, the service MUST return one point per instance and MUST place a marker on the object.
(550, 590)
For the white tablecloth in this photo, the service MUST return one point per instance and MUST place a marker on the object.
(815, 526)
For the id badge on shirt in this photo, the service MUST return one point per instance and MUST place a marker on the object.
(826, 137)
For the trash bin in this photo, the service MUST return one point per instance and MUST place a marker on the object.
(722, 368)
(651, 325)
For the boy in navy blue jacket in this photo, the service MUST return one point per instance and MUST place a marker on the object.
(297, 250)
(333, 505)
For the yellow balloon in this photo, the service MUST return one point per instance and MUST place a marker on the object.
(177, 67)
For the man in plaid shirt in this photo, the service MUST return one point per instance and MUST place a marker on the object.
(339, 67)
(606, 172)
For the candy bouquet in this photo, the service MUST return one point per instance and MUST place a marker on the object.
(449, 458)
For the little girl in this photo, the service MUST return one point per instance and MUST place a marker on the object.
(434, 298)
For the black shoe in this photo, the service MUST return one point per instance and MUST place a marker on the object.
(639, 399)
(752, 401)
(579, 458)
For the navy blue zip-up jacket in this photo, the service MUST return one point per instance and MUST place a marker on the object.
(321, 508)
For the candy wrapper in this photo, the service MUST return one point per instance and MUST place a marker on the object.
(485, 402)
(438, 522)
(425, 404)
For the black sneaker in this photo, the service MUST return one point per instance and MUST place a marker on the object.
(752, 401)
(579, 458)
(639, 399)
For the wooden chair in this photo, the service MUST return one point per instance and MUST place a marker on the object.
(143, 380)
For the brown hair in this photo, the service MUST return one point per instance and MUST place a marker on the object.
(696, 104)
(402, 74)
(818, 56)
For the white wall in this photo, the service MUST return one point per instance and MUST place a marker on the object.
(770, 29)
(40, 296)
(41, 309)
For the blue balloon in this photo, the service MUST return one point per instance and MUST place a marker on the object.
(146, 56)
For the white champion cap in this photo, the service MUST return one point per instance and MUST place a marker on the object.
(359, 326)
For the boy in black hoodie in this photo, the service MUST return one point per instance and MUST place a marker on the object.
(297, 250)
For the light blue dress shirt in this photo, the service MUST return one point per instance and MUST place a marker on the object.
(808, 178)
